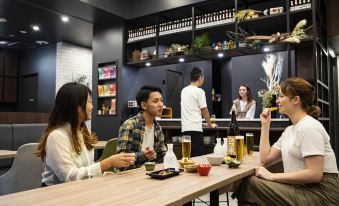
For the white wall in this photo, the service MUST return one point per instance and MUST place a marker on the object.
(72, 61)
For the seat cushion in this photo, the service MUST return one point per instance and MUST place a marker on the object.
(6, 143)
(27, 133)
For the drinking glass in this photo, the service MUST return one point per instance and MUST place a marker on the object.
(186, 147)
(240, 147)
(250, 144)
(213, 118)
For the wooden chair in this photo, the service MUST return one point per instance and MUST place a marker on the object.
(25, 173)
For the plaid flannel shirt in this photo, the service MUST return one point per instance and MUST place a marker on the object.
(131, 134)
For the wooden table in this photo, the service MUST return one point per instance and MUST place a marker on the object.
(4, 154)
(100, 145)
(134, 188)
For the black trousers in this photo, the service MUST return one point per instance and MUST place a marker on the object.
(197, 143)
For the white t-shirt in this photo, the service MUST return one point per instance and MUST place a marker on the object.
(148, 140)
(193, 99)
(308, 137)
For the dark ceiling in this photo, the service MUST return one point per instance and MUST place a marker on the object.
(22, 14)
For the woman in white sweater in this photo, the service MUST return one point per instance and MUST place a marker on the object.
(310, 174)
(66, 147)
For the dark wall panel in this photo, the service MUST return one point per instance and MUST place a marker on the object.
(41, 61)
(135, 78)
(108, 44)
(248, 70)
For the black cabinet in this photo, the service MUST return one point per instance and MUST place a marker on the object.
(8, 76)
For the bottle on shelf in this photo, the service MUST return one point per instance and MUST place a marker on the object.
(232, 132)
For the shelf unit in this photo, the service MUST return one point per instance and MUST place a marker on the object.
(158, 41)
(107, 88)
(317, 71)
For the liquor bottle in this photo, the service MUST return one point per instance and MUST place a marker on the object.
(233, 131)
(291, 3)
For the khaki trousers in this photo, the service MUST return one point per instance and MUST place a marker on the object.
(257, 191)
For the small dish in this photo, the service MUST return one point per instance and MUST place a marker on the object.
(188, 162)
(165, 173)
(149, 166)
(191, 168)
(204, 169)
(215, 160)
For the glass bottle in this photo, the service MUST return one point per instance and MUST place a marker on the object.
(218, 150)
(233, 131)
(170, 160)
(224, 147)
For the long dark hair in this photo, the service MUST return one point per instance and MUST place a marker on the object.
(249, 95)
(296, 86)
(69, 97)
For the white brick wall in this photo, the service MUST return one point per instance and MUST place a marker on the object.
(72, 61)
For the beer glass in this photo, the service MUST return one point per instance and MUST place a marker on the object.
(240, 147)
(249, 144)
(186, 147)
(213, 118)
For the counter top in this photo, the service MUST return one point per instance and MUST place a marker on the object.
(224, 120)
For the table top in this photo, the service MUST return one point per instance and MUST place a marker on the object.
(4, 154)
(134, 187)
(100, 145)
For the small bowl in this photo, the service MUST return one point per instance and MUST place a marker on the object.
(150, 166)
(188, 162)
(175, 139)
(215, 160)
(191, 168)
(204, 169)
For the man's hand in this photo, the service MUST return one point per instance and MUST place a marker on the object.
(213, 125)
(149, 153)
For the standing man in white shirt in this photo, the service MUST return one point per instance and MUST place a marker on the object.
(193, 105)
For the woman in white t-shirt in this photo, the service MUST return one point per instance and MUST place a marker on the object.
(245, 105)
(310, 174)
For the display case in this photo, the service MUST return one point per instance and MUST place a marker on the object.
(107, 88)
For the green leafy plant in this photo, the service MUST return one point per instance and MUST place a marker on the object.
(201, 42)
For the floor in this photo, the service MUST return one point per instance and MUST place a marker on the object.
(204, 200)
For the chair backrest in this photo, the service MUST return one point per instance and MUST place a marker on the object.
(110, 149)
(25, 172)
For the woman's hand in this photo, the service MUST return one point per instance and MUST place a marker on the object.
(262, 172)
(122, 159)
(265, 116)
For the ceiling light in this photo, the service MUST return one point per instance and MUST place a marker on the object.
(266, 49)
(181, 59)
(12, 35)
(41, 42)
(220, 55)
(3, 42)
(23, 32)
(65, 18)
(35, 28)
(148, 64)
(3, 20)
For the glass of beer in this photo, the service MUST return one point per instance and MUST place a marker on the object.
(240, 147)
(250, 144)
(186, 147)
(213, 118)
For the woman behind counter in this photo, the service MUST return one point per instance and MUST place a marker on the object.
(245, 105)
(66, 147)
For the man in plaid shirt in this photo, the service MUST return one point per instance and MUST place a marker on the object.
(142, 134)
